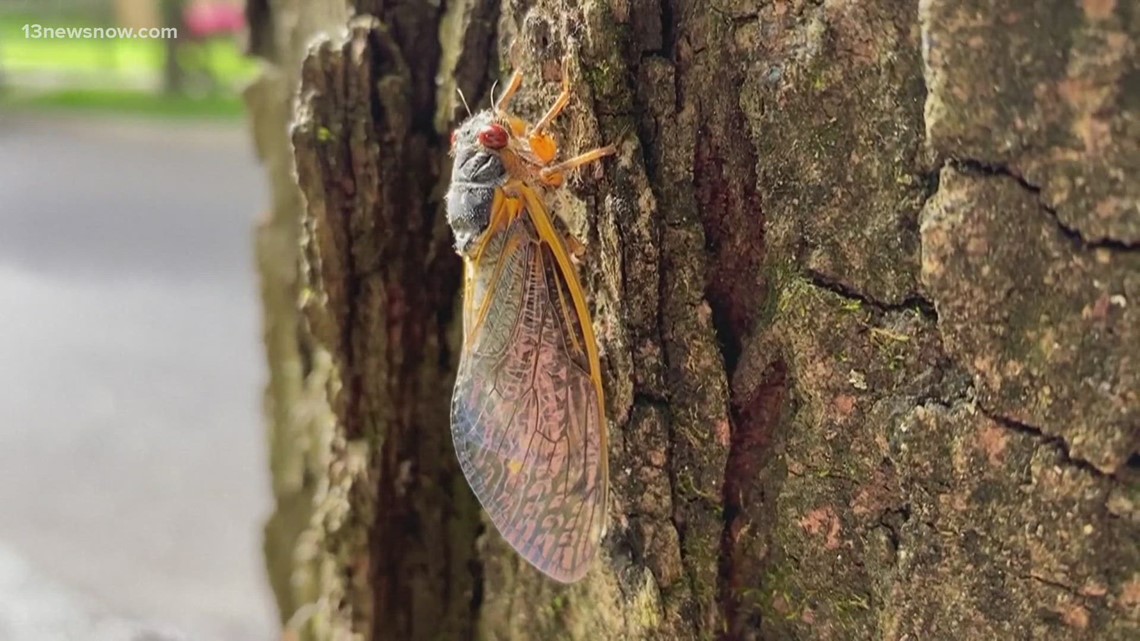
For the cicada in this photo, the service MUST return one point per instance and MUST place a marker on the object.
(527, 412)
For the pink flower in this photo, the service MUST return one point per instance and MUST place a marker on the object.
(208, 19)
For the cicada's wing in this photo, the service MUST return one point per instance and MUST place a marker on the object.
(526, 413)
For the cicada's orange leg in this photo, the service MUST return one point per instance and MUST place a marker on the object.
(555, 109)
(553, 175)
(541, 144)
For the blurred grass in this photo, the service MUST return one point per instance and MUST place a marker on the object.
(124, 101)
(104, 75)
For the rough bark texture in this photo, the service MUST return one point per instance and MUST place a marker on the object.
(866, 278)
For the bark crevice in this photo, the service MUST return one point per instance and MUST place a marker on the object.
(981, 168)
(1053, 441)
(913, 303)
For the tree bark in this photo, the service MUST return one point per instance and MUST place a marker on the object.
(866, 279)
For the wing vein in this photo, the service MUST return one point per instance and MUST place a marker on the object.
(526, 412)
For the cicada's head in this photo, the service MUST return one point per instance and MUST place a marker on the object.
(478, 146)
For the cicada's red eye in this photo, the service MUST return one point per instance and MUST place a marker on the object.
(493, 137)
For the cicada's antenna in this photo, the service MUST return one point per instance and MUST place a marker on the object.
(508, 93)
(464, 99)
(494, 85)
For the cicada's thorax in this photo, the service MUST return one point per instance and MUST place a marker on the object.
(477, 173)
(491, 151)
(478, 207)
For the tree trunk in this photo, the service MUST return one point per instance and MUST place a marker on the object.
(173, 75)
(866, 281)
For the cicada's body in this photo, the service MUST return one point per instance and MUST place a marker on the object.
(527, 413)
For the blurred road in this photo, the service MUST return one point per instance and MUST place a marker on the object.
(132, 467)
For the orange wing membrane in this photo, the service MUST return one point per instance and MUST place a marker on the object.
(527, 412)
